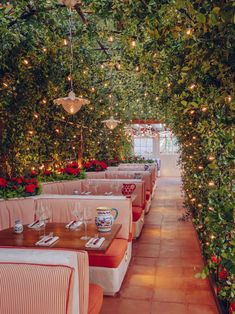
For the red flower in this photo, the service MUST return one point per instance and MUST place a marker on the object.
(215, 259)
(73, 164)
(223, 273)
(72, 171)
(3, 183)
(14, 187)
(17, 180)
(30, 188)
(232, 308)
(218, 289)
(47, 172)
(33, 173)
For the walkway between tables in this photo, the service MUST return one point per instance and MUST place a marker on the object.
(160, 279)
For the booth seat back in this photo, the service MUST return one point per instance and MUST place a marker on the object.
(100, 186)
(16, 208)
(143, 175)
(62, 208)
(95, 175)
(140, 167)
(62, 187)
(43, 281)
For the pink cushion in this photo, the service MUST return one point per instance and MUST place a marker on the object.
(136, 213)
(95, 299)
(112, 257)
(148, 195)
(32, 288)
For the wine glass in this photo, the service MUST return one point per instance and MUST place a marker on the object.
(86, 217)
(43, 213)
(77, 211)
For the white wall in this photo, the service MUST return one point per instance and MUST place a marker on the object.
(169, 163)
(169, 166)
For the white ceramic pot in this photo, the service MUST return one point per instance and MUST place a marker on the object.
(104, 219)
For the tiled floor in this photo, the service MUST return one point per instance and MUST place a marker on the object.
(160, 279)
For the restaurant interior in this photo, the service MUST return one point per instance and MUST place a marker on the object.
(117, 157)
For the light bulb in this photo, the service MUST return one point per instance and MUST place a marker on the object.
(110, 39)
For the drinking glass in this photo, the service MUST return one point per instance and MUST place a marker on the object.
(86, 217)
(77, 211)
(43, 214)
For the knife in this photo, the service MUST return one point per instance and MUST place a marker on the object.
(34, 223)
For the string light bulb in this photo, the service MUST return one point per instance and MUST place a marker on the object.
(133, 43)
(189, 31)
(110, 39)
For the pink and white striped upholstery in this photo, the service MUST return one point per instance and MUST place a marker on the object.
(43, 281)
(61, 188)
(31, 288)
(145, 176)
(62, 208)
(95, 175)
(17, 208)
(136, 167)
(100, 186)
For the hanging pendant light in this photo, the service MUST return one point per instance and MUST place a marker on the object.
(111, 123)
(71, 103)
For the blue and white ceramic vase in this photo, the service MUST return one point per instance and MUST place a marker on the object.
(104, 219)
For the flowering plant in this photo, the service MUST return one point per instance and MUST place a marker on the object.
(95, 165)
(18, 187)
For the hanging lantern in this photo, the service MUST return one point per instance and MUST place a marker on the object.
(111, 123)
(71, 104)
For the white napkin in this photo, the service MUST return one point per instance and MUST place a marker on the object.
(95, 242)
(47, 241)
(36, 225)
(108, 193)
(74, 225)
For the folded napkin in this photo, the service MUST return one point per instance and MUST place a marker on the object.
(95, 242)
(47, 241)
(73, 224)
(108, 193)
(36, 224)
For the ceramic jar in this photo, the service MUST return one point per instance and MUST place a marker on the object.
(104, 219)
(128, 189)
(18, 227)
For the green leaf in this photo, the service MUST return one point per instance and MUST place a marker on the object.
(201, 18)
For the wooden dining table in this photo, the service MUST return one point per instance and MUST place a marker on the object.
(68, 238)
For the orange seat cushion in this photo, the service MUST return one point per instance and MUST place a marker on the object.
(95, 299)
(136, 213)
(112, 257)
(148, 195)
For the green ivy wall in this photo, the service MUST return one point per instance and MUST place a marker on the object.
(165, 60)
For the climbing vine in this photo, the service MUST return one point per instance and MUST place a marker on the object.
(166, 60)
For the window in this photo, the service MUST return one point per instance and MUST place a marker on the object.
(143, 146)
(168, 143)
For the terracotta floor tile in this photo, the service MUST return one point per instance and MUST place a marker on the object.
(160, 278)
(137, 292)
(124, 306)
(141, 280)
(148, 261)
(168, 308)
(202, 309)
(169, 282)
(169, 295)
(197, 296)
(148, 250)
(143, 270)
(169, 271)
